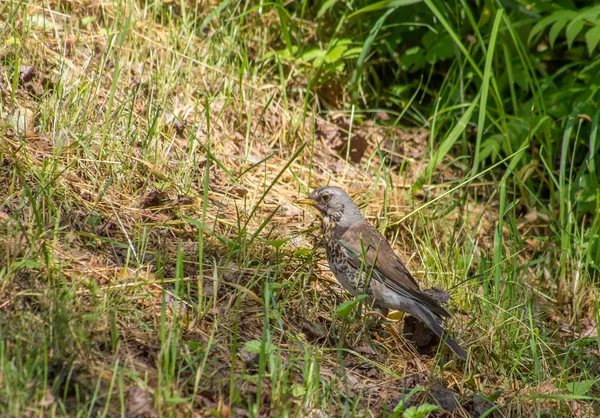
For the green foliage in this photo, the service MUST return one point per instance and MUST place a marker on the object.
(344, 309)
(495, 76)
(574, 23)
(420, 411)
(581, 388)
(399, 408)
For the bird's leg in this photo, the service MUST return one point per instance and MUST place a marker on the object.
(372, 320)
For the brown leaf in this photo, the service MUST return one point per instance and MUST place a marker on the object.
(382, 115)
(21, 120)
(358, 146)
(26, 73)
(4, 217)
(139, 404)
(332, 92)
(173, 121)
(533, 216)
(30, 133)
(420, 335)
(533, 242)
(547, 388)
(223, 409)
(48, 399)
(154, 198)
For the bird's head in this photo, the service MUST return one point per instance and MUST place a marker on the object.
(334, 204)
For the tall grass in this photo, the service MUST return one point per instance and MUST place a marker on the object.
(152, 258)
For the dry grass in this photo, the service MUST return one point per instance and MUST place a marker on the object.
(153, 260)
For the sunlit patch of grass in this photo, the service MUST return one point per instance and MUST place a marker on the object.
(153, 258)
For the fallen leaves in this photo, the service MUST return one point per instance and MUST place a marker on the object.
(139, 404)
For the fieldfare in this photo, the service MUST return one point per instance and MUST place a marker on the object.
(363, 262)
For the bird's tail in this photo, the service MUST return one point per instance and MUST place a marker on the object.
(434, 324)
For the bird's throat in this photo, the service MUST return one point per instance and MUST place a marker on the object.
(328, 225)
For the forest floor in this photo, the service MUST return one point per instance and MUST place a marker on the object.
(154, 262)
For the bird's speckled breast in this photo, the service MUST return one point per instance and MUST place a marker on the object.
(338, 259)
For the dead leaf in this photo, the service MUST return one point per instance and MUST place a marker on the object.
(231, 272)
(358, 145)
(223, 409)
(30, 133)
(547, 388)
(533, 216)
(139, 404)
(21, 120)
(48, 399)
(332, 92)
(44, 23)
(172, 121)
(26, 73)
(382, 115)
(533, 243)
(563, 294)
(315, 413)
(445, 398)
(420, 335)
(4, 217)
(153, 198)
(589, 328)
(366, 350)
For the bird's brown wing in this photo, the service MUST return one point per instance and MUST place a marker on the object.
(368, 246)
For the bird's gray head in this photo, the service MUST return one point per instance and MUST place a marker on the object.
(334, 204)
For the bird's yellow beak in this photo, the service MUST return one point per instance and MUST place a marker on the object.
(306, 201)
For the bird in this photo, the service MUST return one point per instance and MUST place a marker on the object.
(364, 262)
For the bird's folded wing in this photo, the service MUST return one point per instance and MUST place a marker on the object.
(371, 248)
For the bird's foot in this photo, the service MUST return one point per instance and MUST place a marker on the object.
(371, 322)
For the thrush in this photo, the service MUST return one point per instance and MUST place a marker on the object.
(363, 262)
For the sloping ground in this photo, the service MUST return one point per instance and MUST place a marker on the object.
(154, 260)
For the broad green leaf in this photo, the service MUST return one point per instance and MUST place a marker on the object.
(400, 406)
(352, 53)
(277, 243)
(592, 37)
(336, 51)
(581, 388)
(300, 252)
(491, 145)
(555, 31)
(176, 400)
(442, 49)
(32, 264)
(87, 20)
(419, 412)
(313, 54)
(43, 22)
(344, 309)
(298, 390)
(590, 13)
(573, 30)
(283, 54)
(566, 15)
(254, 346)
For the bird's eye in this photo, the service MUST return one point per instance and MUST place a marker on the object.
(325, 198)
